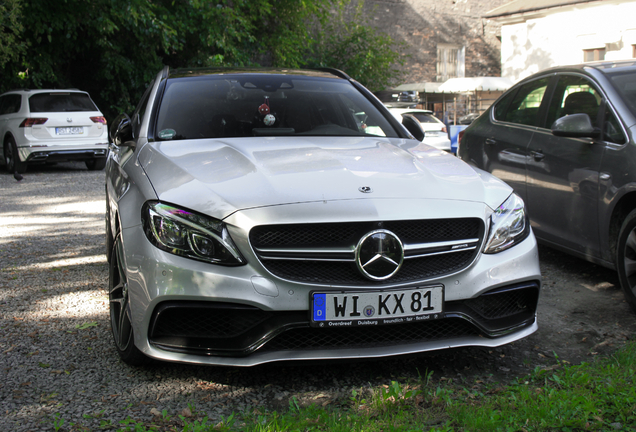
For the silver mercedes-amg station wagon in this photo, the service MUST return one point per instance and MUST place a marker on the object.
(268, 215)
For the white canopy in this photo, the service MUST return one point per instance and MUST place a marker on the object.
(461, 85)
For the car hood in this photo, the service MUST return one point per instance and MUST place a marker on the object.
(220, 176)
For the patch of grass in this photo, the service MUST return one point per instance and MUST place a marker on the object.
(598, 396)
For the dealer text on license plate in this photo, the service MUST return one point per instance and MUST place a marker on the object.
(69, 130)
(354, 308)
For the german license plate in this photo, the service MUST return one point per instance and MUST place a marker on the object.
(359, 308)
(69, 130)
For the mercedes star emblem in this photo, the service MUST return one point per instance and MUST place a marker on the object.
(365, 189)
(379, 255)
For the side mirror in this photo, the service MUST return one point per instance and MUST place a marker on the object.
(120, 132)
(575, 126)
(413, 126)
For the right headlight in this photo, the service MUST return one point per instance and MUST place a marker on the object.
(508, 225)
(189, 234)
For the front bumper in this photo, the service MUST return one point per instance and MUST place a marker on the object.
(238, 317)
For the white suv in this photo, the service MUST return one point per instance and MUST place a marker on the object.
(51, 126)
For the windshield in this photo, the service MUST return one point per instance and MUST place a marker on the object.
(624, 81)
(247, 105)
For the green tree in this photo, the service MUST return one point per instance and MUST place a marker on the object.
(114, 48)
(349, 42)
(11, 47)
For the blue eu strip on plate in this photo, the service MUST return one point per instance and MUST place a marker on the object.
(320, 307)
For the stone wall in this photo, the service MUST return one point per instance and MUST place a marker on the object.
(423, 24)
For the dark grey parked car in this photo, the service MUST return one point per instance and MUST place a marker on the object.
(564, 140)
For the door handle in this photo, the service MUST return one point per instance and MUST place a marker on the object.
(490, 141)
(537, 155)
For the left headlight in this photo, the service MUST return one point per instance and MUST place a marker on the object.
(192, 235)
(508, 225)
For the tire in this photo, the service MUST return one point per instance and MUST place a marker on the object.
(96, 164)
(120, 313)
(12, 158)
(626, 258)
(109, 233)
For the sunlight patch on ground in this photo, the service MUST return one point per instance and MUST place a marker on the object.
(65, 262)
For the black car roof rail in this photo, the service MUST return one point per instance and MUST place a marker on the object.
(334, 71)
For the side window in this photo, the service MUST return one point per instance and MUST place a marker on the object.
(10, 104)
(574, 95)
(502, 106)
(524, 106)
(612, 130)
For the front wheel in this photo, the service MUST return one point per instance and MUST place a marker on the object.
(626, 258)
(120, 312)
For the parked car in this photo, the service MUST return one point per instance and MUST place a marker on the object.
(251, 218)
(409, 96)
(51, 126)
(564, 140)
(435, 131)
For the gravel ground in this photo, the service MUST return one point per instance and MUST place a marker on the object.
(57, 358)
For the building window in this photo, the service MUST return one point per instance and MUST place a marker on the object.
(594, 54)
(450, 62)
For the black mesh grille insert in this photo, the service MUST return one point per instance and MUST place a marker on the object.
(199, 321)
(367, 337)
(339, 235)
(348, 234)
(506, 303)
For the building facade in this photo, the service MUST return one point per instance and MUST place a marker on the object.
(545, 33)
(446, 38)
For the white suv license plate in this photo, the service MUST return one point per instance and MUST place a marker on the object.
(358, 308)
(69, 130)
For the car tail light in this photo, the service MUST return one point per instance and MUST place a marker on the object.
(99, 119)
(28, 122)
(444, 129)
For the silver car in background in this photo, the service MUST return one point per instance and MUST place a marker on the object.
(435, 132)
(269, 215)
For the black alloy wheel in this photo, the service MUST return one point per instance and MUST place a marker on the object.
(120, 313)
(11, 157)
(626, 258)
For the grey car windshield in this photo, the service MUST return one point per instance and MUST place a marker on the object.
(247, 105)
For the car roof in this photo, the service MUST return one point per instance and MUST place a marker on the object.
(318, 73)
(36, 91)
(602, 66)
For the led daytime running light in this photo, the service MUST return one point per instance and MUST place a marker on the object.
(196, 231)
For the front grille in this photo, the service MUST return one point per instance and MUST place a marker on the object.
(346, 273)
(369, 337)
(294, 252)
